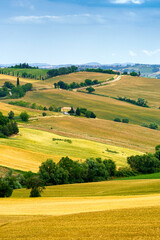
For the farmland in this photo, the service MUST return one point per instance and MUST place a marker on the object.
(35, 146)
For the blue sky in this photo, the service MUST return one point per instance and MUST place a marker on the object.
(80, 31)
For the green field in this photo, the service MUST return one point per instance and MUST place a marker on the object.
(105, 108)
(40, 142)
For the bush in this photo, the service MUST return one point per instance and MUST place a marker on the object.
(117, 120)
(44, 114)
(157, 147)
(36, 185)
(153, 126)
(5, 189)
(125, 172)
(24, 116)
(125, 120)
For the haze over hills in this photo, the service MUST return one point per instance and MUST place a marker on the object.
(146, 70)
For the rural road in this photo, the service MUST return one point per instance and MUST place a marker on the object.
(100, 84)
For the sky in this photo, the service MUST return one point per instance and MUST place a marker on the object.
(80, 31)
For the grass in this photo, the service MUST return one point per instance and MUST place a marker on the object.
(104, 131)
(99, 189)
(80, 77)
(105, 108)
(32, 147)
(123, 224)
(143, 176)
(134, 88)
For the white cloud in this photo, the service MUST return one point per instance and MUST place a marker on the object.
(151, 53)
(127, 1)
(65, 19)
(132, 53)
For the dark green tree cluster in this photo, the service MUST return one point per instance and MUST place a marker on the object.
(74, 85)
(140, 102)
(24, 65)
(61, 71)
(147, 163)
(151, 125)
(82, 112)
(124, 120)
(8, 126)
(108, 71)
(68, 171)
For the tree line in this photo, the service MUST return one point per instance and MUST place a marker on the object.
(99, 70)
(67, 171)
(11, 91)
(74, 85)
(140, 102)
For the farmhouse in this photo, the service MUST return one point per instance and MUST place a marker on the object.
(65, 110)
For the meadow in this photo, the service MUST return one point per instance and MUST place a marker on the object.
(31, 147)
(134, 88)
(104, 108)
(100, 130)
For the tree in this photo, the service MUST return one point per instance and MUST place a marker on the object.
(125, 120)
(11, 115)
(36, 185)
(93, 115)
(78, 113)
(18, 81)
(157, 147)
(52, 174)
(5, 189)
(146, 163)
(90, 89)
(71, 111)
(24, 116)
(117, 120)
(44, 114)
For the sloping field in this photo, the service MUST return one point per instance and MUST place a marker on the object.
(80, 77)
(6, 108)
(105, 108)
(99, 189)
(41, 142)
(99, 130)
(134, 88)
(22, 159)
(122, 224)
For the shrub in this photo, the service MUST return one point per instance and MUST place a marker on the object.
(117, 120)
(125, 120)
(36, 185)
(24, 116)
(157, 147)
(11, 115)
(5, 189)
(44, 114)
(125, 172)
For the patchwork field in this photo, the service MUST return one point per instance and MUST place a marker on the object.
(134, 88)
(39, 145)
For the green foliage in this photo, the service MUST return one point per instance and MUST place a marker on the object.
(24, 116)
(36, 185)
(8, 85)
(90, 89)
(11, 115)
(108, 71)
(146, 163)
(125, 172)
(7, 126)
(157, 147)
(125, 120)
(61, 71)
(44, 114)
(151, 125)
(140, 102)
(5, 189)
(117, 120)
(4, 92)
(23, 65)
